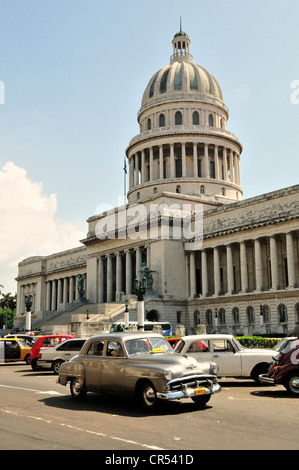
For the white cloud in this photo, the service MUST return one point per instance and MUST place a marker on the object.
(28, 224)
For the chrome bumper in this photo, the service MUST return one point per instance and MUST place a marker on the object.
(187, 392)
(265, 379)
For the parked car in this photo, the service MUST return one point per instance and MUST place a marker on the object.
(283, 343)
(46, 341)
(284, 369)
(52, 358)
(138, 364)
(173, 341)
(232, 358)
(29, 339)
(14, 349)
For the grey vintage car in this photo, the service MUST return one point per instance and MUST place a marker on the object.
(140, 364)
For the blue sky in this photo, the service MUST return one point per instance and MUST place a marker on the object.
(73, 74)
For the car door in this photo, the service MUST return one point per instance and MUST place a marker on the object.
(93, 362)
(227, 357)
(12, 350)
(113, 368)
(201, 350)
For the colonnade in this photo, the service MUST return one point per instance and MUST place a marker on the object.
(117, 271)
(185, 159)
(260, 264)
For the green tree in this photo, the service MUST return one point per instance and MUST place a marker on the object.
(8, 309)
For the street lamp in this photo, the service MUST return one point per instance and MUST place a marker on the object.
(126, 315)
(216, 319)
(139, 290)
(28, 305)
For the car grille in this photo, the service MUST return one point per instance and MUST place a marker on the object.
(195, 380)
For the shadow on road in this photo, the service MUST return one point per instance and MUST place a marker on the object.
(120, 406)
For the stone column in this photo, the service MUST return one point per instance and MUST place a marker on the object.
(172, 164)
(216, 158)
(258, 265)
(138, 262)
(100, 280)
(151, 164)
(48, 296)
(216, 272)
(71, 298)
(204, 273)
(192, 275)
(136, 170)
(225, 164)
(206, 162)
(243, 266)
(65, 290)
(118, 275)
(59, 292)
(230, 269)
(54, 295)
(131, 171)
(274, 264)
(195, 170)
(109, 278)
(161, 161)
(183, 159)
(290, 260)
(142, 166)
(128, 272)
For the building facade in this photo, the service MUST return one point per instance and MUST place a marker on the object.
(211, 257)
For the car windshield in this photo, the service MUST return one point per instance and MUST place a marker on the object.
(23, 343)
(283, 344)
(238, 344)
(147, 346)
(291, 345)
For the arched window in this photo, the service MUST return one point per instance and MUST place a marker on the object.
(138, 195)
(202, 189)
(209, 317)
(149, 124)
(211, 120)
(236, 316)
(161, 120)
(250, 315)
(283, 314)
(297, 313)
(178, 189)
(223, 191)
(195, 118)
(221, 316)
(265, 314)
(178, 118)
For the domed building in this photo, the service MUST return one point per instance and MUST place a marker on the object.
(211, 258)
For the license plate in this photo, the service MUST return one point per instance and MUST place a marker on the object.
(199, 391)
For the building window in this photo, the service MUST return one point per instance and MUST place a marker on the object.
(155, 190)
(236, 316)
(138, 195)
(178, 118)
(221, 316)
(223, 191)
(195, 118)
(202, 190)
(283, 314)
(211, 120)
(149, 124)
(209, 317)
(161, 120)
(297, 313)
(212, 169)
(178, 189)
(178, 168)
(250, 315)
(265, 312)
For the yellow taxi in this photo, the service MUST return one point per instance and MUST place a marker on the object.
(14, 349)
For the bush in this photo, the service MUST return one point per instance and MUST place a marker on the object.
(258, 342)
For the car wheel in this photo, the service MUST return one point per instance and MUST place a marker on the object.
(56, 366)
(147, 395)
(201, 401)
(78, 391)
(291, 383)
(259, 370)
(34, 365)
(27, 359)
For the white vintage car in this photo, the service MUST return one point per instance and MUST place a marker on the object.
(232, 358)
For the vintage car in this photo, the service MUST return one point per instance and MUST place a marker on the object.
(52, 358)
(284, 369)
(138, 364)
(46, 341)
(14, 349)
(232, 358)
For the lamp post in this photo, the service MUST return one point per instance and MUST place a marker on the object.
(216, 320)
(139, 290)
(126, 315)
(28, 305)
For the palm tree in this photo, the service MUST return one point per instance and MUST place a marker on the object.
(8, 302)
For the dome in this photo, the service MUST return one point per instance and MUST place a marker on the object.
(182, 79)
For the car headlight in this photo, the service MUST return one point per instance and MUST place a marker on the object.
(168, 375)
(214, 368)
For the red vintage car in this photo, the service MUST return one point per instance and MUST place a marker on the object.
(284, 369)
(46, 341)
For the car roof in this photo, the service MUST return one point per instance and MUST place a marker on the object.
(125, 336)
(208, 336)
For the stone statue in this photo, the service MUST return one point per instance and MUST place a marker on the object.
(80, 284)
(147, 273)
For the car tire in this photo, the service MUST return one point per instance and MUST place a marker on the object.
(56, 366)
(147, 396)
(78, 391)
(259, 370)
(201, 401)
(291, 383)
(27, 359)
(34, 365)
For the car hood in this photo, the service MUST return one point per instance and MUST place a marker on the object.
(167, 359)
(258, 352)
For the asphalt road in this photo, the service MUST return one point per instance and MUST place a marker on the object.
(38, 414)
